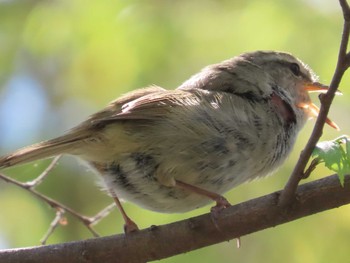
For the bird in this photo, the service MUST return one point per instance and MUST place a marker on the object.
(173, 151)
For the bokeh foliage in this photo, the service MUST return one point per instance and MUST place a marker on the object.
(62, 60)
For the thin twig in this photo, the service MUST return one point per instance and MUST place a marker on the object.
(30, 187)
(34, 183)
(311, 168)
(57, 221)
(53, 203)
(343, 63)
(102, 214)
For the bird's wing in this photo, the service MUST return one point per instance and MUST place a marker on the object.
(145, 107)
(85, 139)
(116, 105)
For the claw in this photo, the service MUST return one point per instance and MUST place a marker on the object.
(221, 204)
(130, 226)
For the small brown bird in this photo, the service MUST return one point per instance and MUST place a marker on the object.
(175, 150)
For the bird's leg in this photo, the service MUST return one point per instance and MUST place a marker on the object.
(129, 225)
(221, 202)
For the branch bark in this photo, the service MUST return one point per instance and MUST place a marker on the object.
(193, 233)
(343, 63)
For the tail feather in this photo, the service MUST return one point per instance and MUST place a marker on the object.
(41, 150)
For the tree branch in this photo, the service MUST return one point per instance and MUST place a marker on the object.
(343, 63)
(193, 233)
(60, 208)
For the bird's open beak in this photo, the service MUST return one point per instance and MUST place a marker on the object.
(312, 108)
(319, 87)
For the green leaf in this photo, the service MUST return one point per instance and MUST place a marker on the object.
(335, 155)
(347, 147)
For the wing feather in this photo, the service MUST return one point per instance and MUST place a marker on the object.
(147, 107)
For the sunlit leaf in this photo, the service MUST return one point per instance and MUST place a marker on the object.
(336, 155)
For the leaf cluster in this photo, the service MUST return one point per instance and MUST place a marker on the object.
(335, 155)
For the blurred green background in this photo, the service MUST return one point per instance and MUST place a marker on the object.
(63, 60)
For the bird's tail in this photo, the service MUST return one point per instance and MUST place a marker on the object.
(61, 145)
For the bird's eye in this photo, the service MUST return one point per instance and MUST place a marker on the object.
(294, 67)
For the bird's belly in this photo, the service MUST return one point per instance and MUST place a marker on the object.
(134, 179)
(213, 157)
(142, 188)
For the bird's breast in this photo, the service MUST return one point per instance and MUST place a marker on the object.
(215, 146)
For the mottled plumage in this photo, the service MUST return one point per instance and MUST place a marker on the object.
(230, 123)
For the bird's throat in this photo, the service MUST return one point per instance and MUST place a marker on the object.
(284, 109)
